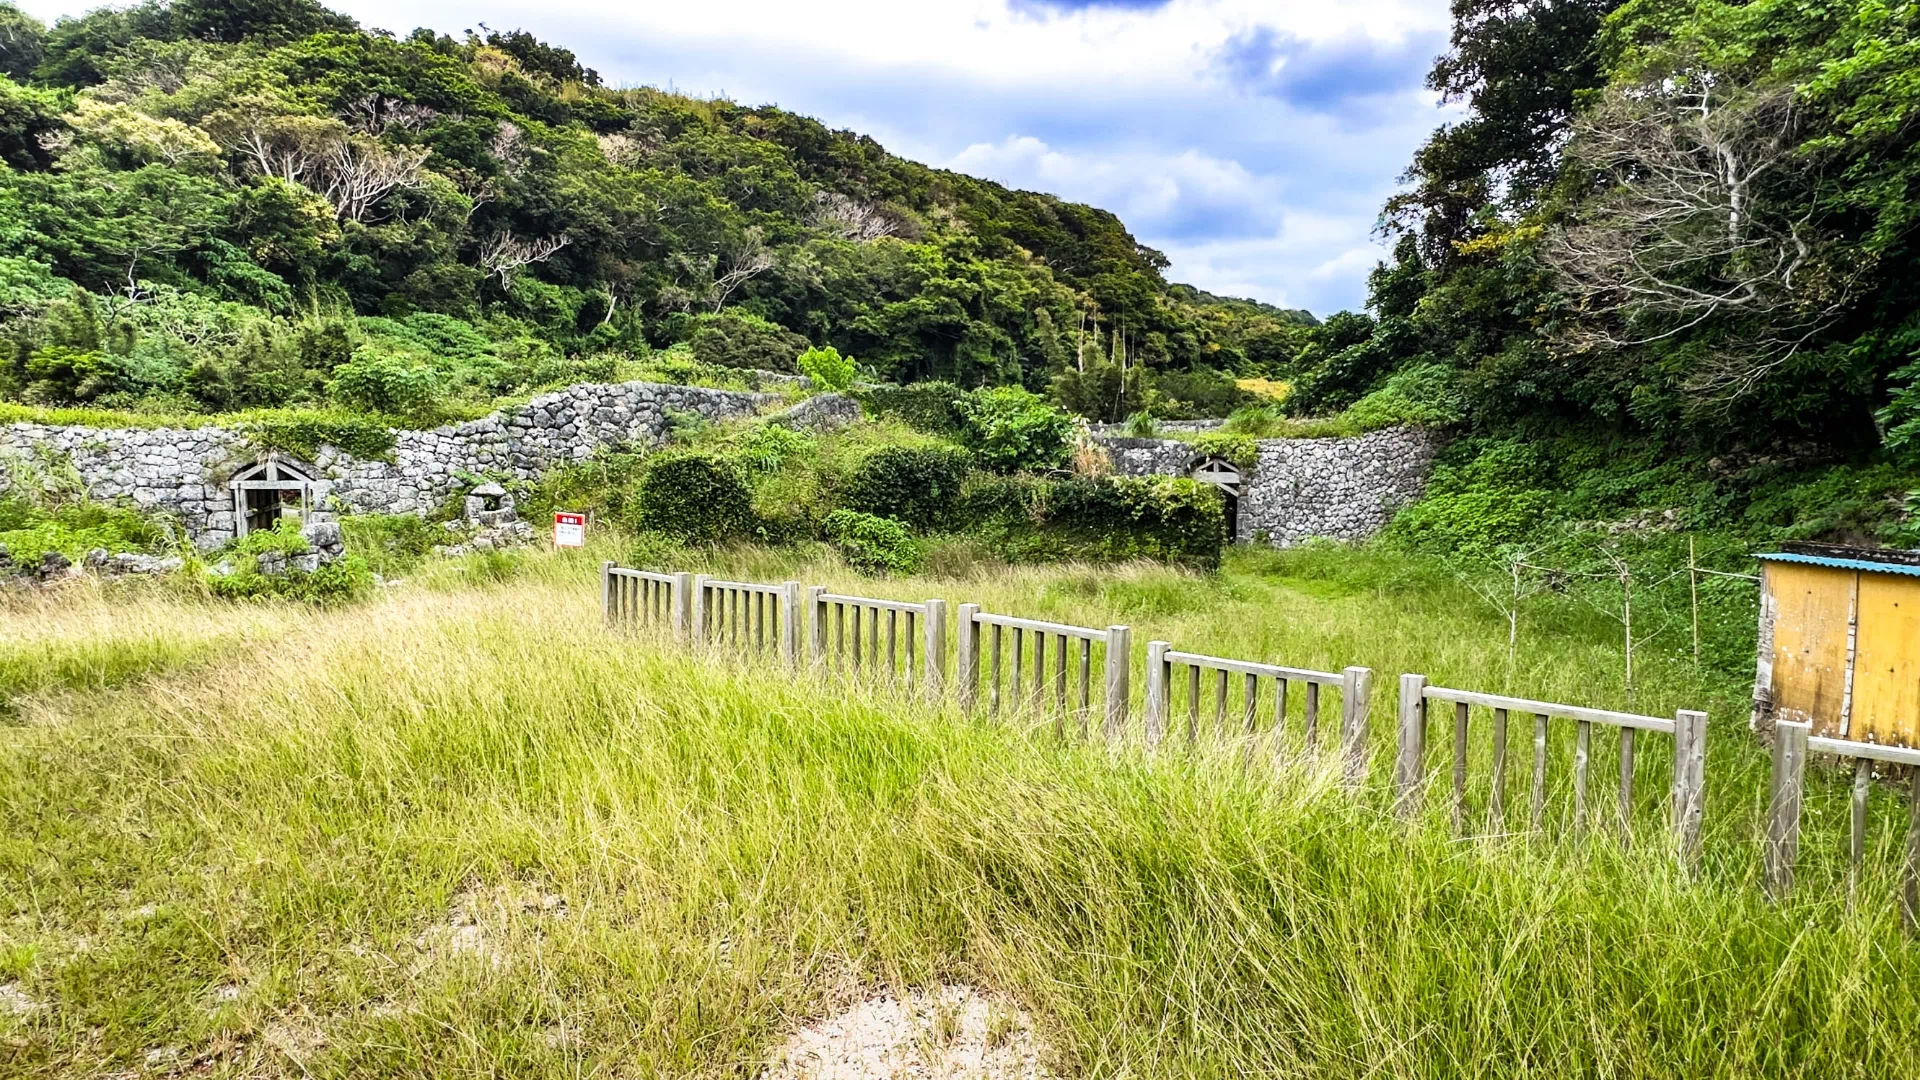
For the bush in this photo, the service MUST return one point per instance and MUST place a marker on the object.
(1242, 450)
(827, 368)
(873, 545)
(386, 384)
(693, 497)
(29, 531)
(736, 339)
(303, 433)
(932, 407)
(1169, 519)
(917, 486)
(391, 543)
(337, 582)
(1010, 429)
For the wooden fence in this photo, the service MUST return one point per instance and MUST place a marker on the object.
(1035, 692)
(1688, 730)
(1007, 664)
(1792, 743)
(1355, 686)
(647, 598)
(915, 638)
(748, 615)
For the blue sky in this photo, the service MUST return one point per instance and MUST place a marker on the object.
(1253, 141)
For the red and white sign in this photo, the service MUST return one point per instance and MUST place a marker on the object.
(569, 530)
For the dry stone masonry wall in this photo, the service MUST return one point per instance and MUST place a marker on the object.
(1307, 489)
(184, 471)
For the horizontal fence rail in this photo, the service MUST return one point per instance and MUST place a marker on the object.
(1793, 743)
(1066, 644)
(747, 614)
(1688, 729)
(912, 648)
(1355, 686)
(646, 598)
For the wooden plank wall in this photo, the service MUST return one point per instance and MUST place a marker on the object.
(1886, 667)
(1814, 604)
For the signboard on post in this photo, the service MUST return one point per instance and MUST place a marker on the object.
(569, 530)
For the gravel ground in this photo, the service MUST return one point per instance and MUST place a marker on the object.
(955, 1033)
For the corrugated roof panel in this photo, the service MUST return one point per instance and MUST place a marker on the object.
(1841, 564)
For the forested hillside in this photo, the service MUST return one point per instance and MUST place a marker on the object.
(216, 206)
(1665, 261)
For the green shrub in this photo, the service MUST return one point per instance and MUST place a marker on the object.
(932, 407)
(1010, 429)
(1242, 450)
(337, 582)
(302, 434)
(396, 384)
(736, 339)
(1141, 425)
(28, 531)
(917, 486)
(1027, 519)
(693, 497)
(873, 545)
(764, 448)
(827, 368)
(391, 543)
(1424, 394)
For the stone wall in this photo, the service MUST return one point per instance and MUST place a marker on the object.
(1306, 489)
(184, 471)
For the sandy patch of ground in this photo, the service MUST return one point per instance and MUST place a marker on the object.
(954, 1033)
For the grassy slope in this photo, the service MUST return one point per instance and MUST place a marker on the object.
(257, 863)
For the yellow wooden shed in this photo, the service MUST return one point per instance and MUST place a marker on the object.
(1840, 643)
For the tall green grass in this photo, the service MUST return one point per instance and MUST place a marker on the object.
(257, 867)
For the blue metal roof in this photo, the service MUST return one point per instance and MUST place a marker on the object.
(1841, 564)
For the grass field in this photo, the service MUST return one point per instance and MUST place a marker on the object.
(464, 830)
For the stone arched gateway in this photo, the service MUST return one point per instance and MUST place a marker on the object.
(268, 490)
(1226, 476)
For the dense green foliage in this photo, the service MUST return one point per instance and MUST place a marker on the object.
(1684, 225)
(218, 207)
(916, 486)
(1102, 520)
(29, 529)
(692, 497)
(932, 407)
(873, 544)
(1010, 430)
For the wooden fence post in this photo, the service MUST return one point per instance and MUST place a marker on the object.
(790, 623)
(681, 603)
(606, 592)
(1413, 741)
(1689, 783)
(935, 646)
(967, 660)
(817, 625)
(1910, 888)
(1119, 669)
(700, 607)
(1356, 698)
(1158, 670)
(1783, 805)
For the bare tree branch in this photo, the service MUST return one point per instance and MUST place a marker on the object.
(851, 219)
(1699, 222)
(711, 285)
(503, 254)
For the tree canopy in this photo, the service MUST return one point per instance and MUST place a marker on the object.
(220, 204)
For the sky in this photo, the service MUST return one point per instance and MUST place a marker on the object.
(1252, 141)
